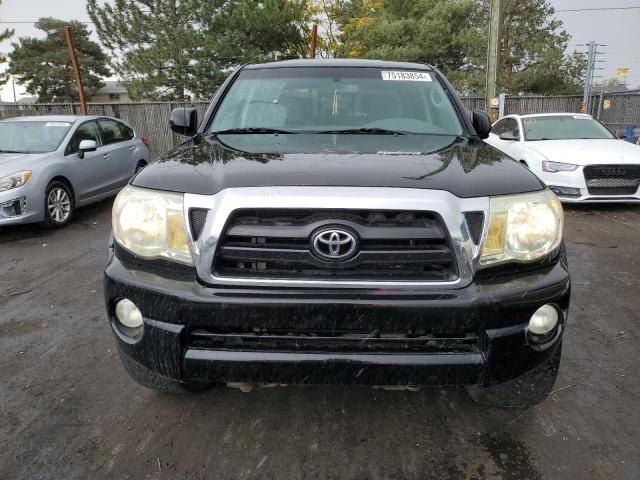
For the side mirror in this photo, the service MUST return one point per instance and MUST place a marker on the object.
(508, 136)
(86, 146)
(481, 123)
(184, 121)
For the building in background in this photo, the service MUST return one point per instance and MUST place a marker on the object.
(112, 92)
(27, 100)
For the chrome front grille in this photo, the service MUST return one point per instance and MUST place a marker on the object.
(434, 240)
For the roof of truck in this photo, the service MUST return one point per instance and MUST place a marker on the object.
(341, 62)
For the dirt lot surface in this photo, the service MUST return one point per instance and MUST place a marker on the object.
(69, 411)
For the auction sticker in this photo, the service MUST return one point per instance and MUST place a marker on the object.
(406, 76)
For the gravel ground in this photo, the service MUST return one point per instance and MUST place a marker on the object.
(69, 411)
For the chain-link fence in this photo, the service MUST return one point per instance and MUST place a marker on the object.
(619, 111)
(151, 119)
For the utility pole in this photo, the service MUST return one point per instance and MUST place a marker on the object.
(588, 76)
(590, 73)
(601, 99)
(314, 40)
(495, 19)
(76, 68)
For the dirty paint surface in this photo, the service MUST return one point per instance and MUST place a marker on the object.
(68, 410)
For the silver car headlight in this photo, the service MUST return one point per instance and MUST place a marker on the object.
(558, 167)
(14, 181)
(151, 224)
(522, 228)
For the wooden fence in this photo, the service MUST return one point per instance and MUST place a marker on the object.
(148, 119)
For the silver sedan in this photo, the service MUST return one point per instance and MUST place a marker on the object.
(51, 165)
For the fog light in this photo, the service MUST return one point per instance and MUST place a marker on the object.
(565, 191)
(128, 314)
(14, 208)
(544, 320)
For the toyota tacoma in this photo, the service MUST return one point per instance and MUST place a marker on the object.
(338, 222)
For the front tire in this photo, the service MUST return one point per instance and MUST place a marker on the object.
(528, 390)
(58, 205)
(140, 166)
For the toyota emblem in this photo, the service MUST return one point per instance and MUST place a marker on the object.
(334, 244)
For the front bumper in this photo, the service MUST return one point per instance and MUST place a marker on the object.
(20, 206)
(490, 315)
(575, 181)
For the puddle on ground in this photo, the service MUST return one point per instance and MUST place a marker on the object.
(508, 459)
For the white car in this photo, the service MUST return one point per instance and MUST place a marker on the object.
(574, 154)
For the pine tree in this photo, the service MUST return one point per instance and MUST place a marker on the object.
(172, 48)
(43, 65)
(452, 35)
(5, 35)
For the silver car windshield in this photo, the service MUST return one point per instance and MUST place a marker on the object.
(563, 127)
(32, 136)
(318, 100)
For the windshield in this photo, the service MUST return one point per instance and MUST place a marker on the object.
(334, 99)
(32, 136)
(563, 127)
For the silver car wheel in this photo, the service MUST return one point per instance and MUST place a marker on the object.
(59, 205)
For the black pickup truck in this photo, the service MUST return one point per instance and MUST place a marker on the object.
(338, 222)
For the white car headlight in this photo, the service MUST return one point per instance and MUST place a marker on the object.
(558, 167)
(522, 228)
(151, 224)
(14, 181)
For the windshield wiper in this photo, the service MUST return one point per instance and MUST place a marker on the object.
(364, 131)
(257, 130)
(12, 151)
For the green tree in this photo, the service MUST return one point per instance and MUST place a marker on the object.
(249, 31)
(453, 36)
(43, 65)
(427, 31)
(153, 44)
(532, 50)
(170, 48)
(5, 35)
(327, 14)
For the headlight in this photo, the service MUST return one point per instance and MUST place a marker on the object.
(14, 181)
(558, 167)
(522, 228)
(151, 224)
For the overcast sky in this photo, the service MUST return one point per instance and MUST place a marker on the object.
(618, 29)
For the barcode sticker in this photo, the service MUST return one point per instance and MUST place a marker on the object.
(406, 76)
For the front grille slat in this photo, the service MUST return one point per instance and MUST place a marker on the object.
(276, 244)
(612, 179)
(303, 231)
(372, 257)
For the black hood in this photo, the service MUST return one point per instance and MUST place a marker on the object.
(464, 167)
